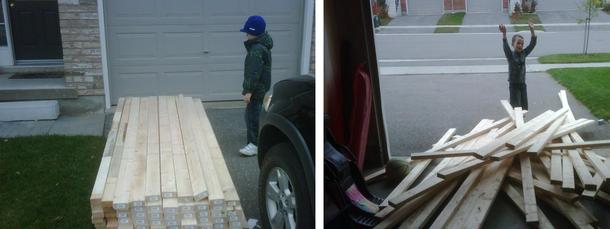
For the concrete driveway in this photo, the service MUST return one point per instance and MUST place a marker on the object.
(418, 109)
(558, 5)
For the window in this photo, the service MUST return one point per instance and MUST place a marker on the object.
(2, 27)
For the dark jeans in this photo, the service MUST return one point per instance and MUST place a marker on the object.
(253, 111)
(518, 95)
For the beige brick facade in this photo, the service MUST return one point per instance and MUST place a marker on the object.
(80, 36)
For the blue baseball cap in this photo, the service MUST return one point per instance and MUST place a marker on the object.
(255, 25)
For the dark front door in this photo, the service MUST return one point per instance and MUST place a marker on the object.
(35, 27)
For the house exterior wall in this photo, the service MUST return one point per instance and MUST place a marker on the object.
(80, 35)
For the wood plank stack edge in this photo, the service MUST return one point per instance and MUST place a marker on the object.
(541, 160)
(162, 168)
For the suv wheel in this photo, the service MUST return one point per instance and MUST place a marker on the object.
(284, 200)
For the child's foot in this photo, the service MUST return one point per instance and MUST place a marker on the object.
(249, 150)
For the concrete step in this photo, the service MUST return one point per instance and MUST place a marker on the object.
(29, 110)
(37, 94)
(34, 89)
(31, 68)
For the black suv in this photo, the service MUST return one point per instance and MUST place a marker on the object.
(286, 155)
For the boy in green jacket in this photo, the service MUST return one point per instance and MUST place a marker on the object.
(257, 77)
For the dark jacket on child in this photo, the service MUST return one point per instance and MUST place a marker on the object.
(257, 67)
(516, 61)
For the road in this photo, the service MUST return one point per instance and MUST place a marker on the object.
(480, 45)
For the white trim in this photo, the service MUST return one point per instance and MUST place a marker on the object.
(307, 33)
(103, 48)
(9, 35)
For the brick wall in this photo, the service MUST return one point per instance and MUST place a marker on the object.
(80, 35)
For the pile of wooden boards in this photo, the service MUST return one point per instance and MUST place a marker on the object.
(162, 168)
(543, 159)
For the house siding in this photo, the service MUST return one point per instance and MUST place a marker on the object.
(80, 35)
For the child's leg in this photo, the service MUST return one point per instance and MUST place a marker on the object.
(524, 96)
(515, 95)
(257, 104)
(250, 134)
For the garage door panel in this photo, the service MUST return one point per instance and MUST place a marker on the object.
(182, 8)
(135, 46)
(278, 11)
(223, 84)
(226, 12)
(280, 36)
(133, 83)
(156, 12)
(226, 43)
(181, 82)
(132, 9)
(182, 46)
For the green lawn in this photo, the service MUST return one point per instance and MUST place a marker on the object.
(450, 19)
(524, 19)
(589, 85)
(574, 58)
(46, 181)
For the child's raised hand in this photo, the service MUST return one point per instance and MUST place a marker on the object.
(502, 28)
(531, 25)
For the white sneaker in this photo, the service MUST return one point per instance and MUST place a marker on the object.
(249, 150)
(246, 147)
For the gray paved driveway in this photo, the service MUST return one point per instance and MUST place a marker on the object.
(420, 108)
(230, 130)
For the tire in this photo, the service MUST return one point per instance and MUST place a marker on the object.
(280, 162)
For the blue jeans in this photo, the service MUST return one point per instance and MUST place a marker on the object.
(253, 111)
(518, 95)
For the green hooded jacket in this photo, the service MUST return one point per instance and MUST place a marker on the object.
(257, 67)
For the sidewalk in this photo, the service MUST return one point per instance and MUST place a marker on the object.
(82, 116)
(423, 70)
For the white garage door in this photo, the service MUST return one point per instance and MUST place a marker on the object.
(425, 7)
(484, 6)
(194, 47)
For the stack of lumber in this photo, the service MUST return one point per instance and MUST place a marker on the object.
(162, 168)
(542, 160)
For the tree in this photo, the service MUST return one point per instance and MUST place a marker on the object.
(591, 8)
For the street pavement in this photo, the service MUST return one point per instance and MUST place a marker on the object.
(500, 68)
(481, 45)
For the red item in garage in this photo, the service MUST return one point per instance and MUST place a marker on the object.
(360, 116)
